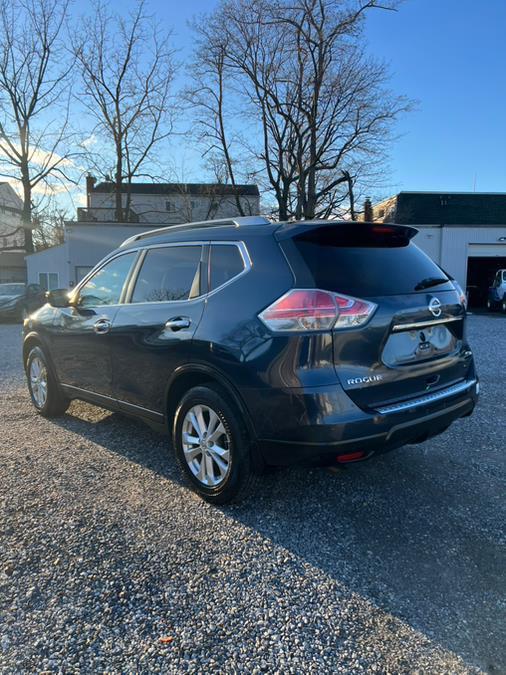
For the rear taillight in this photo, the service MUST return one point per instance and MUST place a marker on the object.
(462, 295)
(314, 310)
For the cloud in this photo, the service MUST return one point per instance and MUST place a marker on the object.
(90, 141)
(41, 189)
(39, 157)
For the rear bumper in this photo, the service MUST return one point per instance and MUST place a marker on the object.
(317, 425)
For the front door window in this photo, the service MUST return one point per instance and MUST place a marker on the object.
(106, 285)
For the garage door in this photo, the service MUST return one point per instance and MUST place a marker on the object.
(486, 250)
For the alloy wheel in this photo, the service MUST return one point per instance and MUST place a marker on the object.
(38, 381)
(206, 445)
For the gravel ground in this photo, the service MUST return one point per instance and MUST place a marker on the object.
(108, 563)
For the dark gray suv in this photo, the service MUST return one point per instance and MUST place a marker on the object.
(256, 343)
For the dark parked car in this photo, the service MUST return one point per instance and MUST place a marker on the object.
(497, 292)
(18, 300)
(257, 343)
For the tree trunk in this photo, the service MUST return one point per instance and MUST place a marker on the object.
(118, 196)
(351, 195)
(128, 200)
(27, 207)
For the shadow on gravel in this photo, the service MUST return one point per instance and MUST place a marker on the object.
(413, 531)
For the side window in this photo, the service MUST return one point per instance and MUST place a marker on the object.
(171, 273)
(226, 263)
(105, 286)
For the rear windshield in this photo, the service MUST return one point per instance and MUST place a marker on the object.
(364, 271)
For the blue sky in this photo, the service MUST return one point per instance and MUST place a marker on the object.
(449, 55)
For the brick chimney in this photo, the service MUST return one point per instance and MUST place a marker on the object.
(90, 184)
(368, 216)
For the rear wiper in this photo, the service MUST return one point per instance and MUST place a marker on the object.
(429, 282)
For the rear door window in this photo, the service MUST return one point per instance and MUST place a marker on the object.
(226, 263)
(169, 274)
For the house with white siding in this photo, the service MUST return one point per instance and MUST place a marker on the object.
(12, 235)
(169, 203)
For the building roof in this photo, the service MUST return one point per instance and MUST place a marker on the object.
(451, 208)
(9, 198)
(182, 188)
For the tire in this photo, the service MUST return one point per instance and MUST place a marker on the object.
(218, 477)
(45, 392)
(503, 305)
(490, 305)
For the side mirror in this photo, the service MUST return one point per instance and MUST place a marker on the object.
(60, 297)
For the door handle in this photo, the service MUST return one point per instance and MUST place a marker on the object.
(178, 322)
(102, 326)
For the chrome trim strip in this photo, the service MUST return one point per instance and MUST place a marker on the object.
(88, 391)
(134, 270)
(428, 398)
(127, 405)
(424, 324)
(109, 398)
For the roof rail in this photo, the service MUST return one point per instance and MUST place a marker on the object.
(237, 222)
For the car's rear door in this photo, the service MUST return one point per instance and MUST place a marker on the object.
(415, 340)
(152, 331)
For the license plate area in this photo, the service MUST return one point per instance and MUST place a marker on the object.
(416, 345)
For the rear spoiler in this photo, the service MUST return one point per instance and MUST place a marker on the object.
(347, 233)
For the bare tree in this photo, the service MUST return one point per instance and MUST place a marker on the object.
(207, 98)
(321, 106)
(127, 68)
(34, 95)
(49, 226)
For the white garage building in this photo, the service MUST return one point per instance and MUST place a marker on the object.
(464, 232)
(85, 244)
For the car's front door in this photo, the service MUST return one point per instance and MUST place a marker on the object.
(80, 339)
(152, 331)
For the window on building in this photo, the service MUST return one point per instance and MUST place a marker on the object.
(193, 204)
(169, 274)
(106, 285)
(226, 263)
(170, 207)
(48, 281)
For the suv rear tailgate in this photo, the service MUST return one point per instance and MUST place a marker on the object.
(415, 341)
(404, 352)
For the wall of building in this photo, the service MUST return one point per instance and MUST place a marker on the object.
(85, 245)
(12, 235)
(455, 247)
(174, 208)
(51, 261)
(429, 240)
(88, 243)
(12, 266)
(450, 246)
